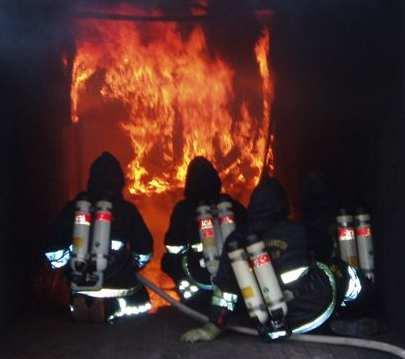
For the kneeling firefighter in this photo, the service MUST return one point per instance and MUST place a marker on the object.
(332, 237)
(266, 264)
(109, 243)
(199, 225)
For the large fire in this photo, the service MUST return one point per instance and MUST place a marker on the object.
(178, 100)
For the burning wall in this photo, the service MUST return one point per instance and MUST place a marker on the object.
(172, 100)
(156, 95)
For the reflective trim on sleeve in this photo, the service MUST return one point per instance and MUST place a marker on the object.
(108, 292)
(129, 310)
(187, 289)
(58, 258)
(116, 245)
(292, 275)
(175, 249)
(198, 247)
(142, 259)
(353, 287)
(277, 334)
(224, 300)
(322, 318)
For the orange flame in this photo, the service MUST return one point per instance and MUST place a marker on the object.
(178, 100)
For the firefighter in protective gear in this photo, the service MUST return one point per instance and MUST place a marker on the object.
(318, 209)
(324, 223)
(309, 287)
(131, 248)
(184, 259)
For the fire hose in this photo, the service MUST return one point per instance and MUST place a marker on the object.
(320, 339)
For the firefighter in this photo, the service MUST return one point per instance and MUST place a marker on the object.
(318, 209)
(184, 259)
(311, 290)
(324, 223)
(130, 249)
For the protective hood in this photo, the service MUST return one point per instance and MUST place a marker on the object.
(268, 205)
(106, 177)
(202, 181)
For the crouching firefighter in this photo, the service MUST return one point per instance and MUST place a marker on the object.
(199, 226)
(343, 240)
(266, 267)
(104, 241)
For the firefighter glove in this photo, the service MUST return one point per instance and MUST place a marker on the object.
(206, 333)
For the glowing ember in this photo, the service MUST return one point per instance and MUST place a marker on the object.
(178, 99)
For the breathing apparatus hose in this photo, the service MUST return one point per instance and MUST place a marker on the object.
(321, 339)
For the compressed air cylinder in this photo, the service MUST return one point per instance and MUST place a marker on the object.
(101, 235)
(266, 277)
(219, 240)
(364, 242)
(247, 282)
(226, 219)
(206, 229)
(346, 238)
(81, 235)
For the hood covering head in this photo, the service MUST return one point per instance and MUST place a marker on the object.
(268, 204)
(202, 181)
(106, 177)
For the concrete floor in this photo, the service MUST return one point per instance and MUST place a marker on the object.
(152, 337)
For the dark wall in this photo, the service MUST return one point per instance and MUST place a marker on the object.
(32, 115)
(336, 66)
(7, 191)
(8, 153)
(390, 194)
(339, 110)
